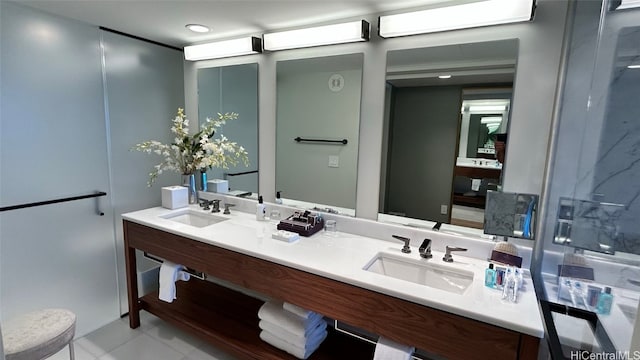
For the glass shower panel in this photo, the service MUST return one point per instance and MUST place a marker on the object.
(588, 266)
(53, 144)
(144, 88)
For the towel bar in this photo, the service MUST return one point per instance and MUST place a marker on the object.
(196, 274)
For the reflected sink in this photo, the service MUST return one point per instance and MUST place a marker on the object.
(194, 218)
(421, 272)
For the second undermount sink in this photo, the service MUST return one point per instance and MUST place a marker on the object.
(421, 272)
(194, 218)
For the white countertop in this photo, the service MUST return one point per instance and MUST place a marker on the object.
(342, 256)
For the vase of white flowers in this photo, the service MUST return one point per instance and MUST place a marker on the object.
(198, 152)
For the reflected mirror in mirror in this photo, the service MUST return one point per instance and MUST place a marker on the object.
(444, 109)
(318, 119)
(233, 89)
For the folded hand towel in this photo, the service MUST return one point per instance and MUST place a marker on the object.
(273, 312)
(298, 340)
(169, 273)
(475, 184)
(390, 350)
(300, 353)
(304, 313)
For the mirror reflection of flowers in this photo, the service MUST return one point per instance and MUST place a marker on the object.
(190, 153)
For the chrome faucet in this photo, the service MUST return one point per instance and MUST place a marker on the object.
(406, 249)
(216, 206)
(447, 255)
(425, 249)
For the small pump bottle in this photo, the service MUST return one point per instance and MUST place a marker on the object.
(278, 199)
(490, 277)
(261, 210)
(605, 301)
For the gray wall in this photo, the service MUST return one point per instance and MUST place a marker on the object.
(309, 109)
(233, 89)
(423, 135)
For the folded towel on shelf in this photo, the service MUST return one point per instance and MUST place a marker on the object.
(302, 312)
(298, 340)
(299, 352)
(390, 350)
(169, 274)
(273, 312)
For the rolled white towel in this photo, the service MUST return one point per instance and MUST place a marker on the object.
(298, 340)
(300, 353)
(302, 312)
(273, 312)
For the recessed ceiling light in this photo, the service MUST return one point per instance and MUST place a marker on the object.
(634, 66)
(444, 77)
(197, 28)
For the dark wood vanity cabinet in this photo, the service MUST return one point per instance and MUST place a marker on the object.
(229, 320)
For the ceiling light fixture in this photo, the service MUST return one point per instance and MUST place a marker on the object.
(483, 13)
(444, 77)
(316, 36)
(198, 28)
(634, 66)
(221, 49)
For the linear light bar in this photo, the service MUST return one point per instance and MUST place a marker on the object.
(221, 49)
(634, 66)
(316, 36)
(483, 13)
(628, 4)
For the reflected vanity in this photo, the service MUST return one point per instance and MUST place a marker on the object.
(443, 108)
(233, 89)
(318, 119)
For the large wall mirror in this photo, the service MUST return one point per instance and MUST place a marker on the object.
(446, 121)
(318, 119)
(233, 89)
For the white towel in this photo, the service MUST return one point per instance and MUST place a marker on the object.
(475, 184)
(304, 313)
(390, 350)
(300, 353)
(169, 274)
(298, 340)
(273, 312)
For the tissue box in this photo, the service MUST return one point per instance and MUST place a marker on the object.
(175, 197)
(218, 186)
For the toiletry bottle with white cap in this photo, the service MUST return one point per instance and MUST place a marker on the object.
(261, 210)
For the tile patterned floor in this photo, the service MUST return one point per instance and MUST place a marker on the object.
(154, 340)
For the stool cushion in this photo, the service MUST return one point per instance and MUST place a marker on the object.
(39, 334)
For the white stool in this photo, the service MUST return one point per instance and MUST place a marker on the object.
(39, 334)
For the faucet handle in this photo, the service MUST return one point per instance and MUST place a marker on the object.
(425, 249)
(447, 255)
(226, 208)
(406, 249)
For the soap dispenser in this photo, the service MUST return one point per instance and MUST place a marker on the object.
(261, 210)
(605, 301)
(490, 277)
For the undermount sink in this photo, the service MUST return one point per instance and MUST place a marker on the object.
(421, 272)
(194, 218)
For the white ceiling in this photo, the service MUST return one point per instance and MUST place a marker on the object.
(164, 20)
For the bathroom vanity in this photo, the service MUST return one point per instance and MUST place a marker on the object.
(326, 274)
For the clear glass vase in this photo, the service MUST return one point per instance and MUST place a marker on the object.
(189, 181)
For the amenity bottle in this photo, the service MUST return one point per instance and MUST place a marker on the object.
(490, 277)
(605, 301)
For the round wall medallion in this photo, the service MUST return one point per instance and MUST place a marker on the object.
(336, 82)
